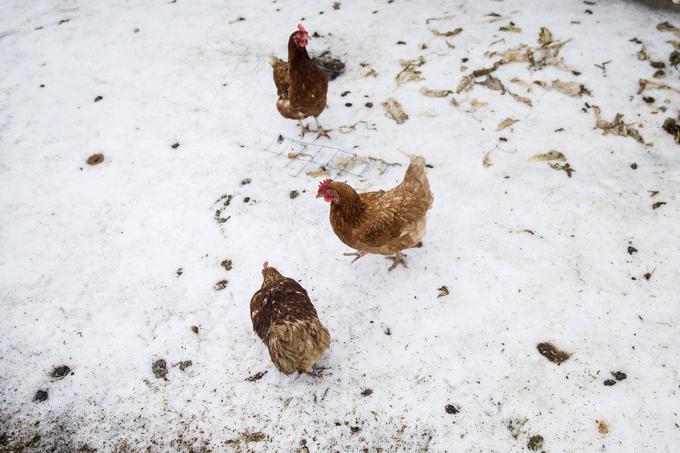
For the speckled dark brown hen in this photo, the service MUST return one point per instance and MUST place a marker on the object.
(382, 222)
(286, 321)
(301, 85)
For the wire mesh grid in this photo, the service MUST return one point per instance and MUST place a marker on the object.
(316, 160)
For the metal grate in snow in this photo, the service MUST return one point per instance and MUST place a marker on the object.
(316, 160)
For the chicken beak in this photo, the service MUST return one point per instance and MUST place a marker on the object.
(318, 195)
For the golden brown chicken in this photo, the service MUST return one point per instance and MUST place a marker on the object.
(301, 84)
(286, 321)
(381, 222)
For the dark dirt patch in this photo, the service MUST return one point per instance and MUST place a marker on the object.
(160, 369)
(225, 200)
(179, 271)
(185, 364)
(657, 64)
(246, 199)
(451, 409)
(256, 377)
(631, 250)
(41, 395)
(59, 372)
(98, 98)
(367, 392)
(95, 159)
(658, 204)
(647, 275)
(609, 382)
(550, 352)
(333, 67)
(535, 442)
(388, 331)
(194, 329)
(648, 99)
(443, 291)
(619, 375)
(293, 194)
(369, 105)
(174, 145)
(226, 264)
(671, 126)
(254, 437)
(354, 429)
(246, 181)
(219, 286)
(674, 58)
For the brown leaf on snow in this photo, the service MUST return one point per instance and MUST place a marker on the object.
(393, 110)
(565, 166)
(643, 54)
(574, 89)
(410, 72)
(435, 93)
(616, 126)
(550, 155)
(486, 162)
(476, 104)
(492, 83)
(466, 82)
(667, 26)
(544, 36)
(521, 99)
(446, 34)
(650, 84)
(370, 73)
(537, 57)
(506, 123)
(522, 83)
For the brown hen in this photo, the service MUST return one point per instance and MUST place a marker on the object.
(286, 321)
(301, 84)
(381, 222)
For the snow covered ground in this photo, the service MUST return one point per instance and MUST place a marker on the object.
(106, 268)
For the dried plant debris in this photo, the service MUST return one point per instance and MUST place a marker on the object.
(184, 364)
(645, 84)
(435, 93)
(321, 172)
(451, 409)
(367, 392)
(410, 73)
(550, 352)
(619, 375)
(643, 54)
(657, 205)
(95, 159)
(668, 27)
(393, 110)
(486, 162)
(370, 73)
(522, 83)
(522, 99)
(443, 291)
(506, 123)
(446, 34)
(432, 19)
(616, 126)
(333, 67)
(573, 89)
(565, 167)
(537, 57)
(550, 155)
(256, 377)
(227, 265)
(492, 83)
(511, 27)
(672, 126)
(544, 36)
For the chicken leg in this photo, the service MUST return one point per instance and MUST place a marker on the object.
(397, 259)
(303, 129)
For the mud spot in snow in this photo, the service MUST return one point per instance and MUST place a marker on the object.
(160, 369)
(550, 352)
(95, 159)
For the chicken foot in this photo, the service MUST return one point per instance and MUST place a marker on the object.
(398, 258)
(357, 254)
(320, 131)
(303, 128)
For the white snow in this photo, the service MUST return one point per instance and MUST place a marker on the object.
(89, 254)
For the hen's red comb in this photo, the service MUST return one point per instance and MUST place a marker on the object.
(302, 29)
(323, 184)
(265, 265)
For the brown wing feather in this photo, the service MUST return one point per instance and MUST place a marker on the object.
(281, 77)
